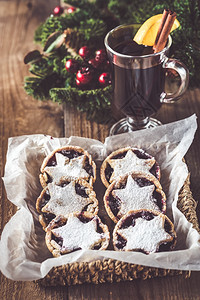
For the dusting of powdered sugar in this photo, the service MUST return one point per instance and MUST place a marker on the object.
(145, 235)
(64, 200)
(67, 169)
(134, 197)
(129, 164)
(76, 234)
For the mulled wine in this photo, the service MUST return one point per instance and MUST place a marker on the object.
(138, 78)
(137, 91)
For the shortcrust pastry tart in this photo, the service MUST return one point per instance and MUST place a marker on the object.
(78, 231)
(134, 192)
(145, 231)
(126, 161)
(69, 197)
(67, 163)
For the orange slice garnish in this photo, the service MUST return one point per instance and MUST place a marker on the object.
(147, 33)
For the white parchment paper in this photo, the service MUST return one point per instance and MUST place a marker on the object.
(24, 255)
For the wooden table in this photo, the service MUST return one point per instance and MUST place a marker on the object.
(21, 114)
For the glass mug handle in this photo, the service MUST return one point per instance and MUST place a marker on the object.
(183, 72)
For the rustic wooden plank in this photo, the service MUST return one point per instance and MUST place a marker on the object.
(167, 288)
(76, 123)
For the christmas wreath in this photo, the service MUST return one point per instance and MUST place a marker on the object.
(73, 66)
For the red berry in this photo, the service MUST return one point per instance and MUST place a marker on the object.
(84, 75)
(84, 52)
(104, 79)
(101, 55)
(71, 66)
(58, 10)
(71, 10)
(78, 83)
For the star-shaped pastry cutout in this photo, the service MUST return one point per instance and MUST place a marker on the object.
(129, 164)
(76, 234)
(134, 197)
(67, 169)
(145, 235)
(64, 200)
(61, 159)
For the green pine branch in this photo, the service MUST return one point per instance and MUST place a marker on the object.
(39, 87)
(95, 103)
(53, 24)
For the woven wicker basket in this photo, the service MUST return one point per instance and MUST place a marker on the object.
(110, 270)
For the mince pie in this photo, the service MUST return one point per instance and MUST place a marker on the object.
(134, 192)
(146, 231)
(69, 197)
(67, 163)
(126, 161)
(78, 231)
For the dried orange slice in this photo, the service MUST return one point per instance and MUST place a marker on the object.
(146, 34)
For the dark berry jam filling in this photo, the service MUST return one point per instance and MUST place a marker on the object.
(120, 155)
(52, 161)
(65, 183)
(121, 242)
(146, 215)
(114, 204)
(167, 246)
(155, 170)
(83, 218)
(86, 207)
(58, 240)
(48, 217)
(141, 154)
(81, 190)
(130, 220)
(45, 199)
(99, 228)
(88, 167)
(69, 153)
(49, 179)
(158, 200)
(141, 181)
(108, 172)
(59, 222)
(167, 226)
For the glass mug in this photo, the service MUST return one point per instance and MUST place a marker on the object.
(139, 81)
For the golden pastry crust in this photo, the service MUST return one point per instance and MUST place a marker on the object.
(79, 153)
(62, 234)
(114, 204)
(122, 234)
(88, 204)
(121, 153)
